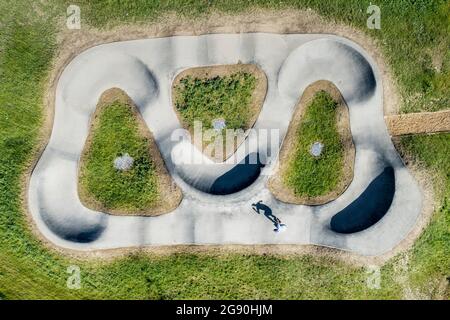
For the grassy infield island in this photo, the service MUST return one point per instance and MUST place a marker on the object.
(311, 175)
(303, 178)
(30, 270)
(234, 93)
(117, 130)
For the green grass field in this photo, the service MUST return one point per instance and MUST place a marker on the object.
(114, 135)
(414, 38)
(313, 176)
(204, 100)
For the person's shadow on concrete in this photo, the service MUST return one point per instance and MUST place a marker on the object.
(259, 206)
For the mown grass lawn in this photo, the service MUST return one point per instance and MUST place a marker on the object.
(115, 134)
(411, 37)
(309, 175)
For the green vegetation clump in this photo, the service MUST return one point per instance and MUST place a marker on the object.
(114, 135)
(306, 174)
(227, 97)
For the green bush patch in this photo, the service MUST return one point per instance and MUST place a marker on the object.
(306, 174)
(115, 134)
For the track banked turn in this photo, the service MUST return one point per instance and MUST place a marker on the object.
(216, 208)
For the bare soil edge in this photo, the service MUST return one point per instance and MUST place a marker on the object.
(276, 184)
(169, 194)
(417, 123)
(71, 43)
(257, 101)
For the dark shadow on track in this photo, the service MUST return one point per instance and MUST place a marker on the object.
(238, 178)
(369, 207)
(259, 207)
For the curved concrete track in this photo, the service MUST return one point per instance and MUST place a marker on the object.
(209, 212)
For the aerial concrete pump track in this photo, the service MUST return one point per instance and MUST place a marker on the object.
(376, 211)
